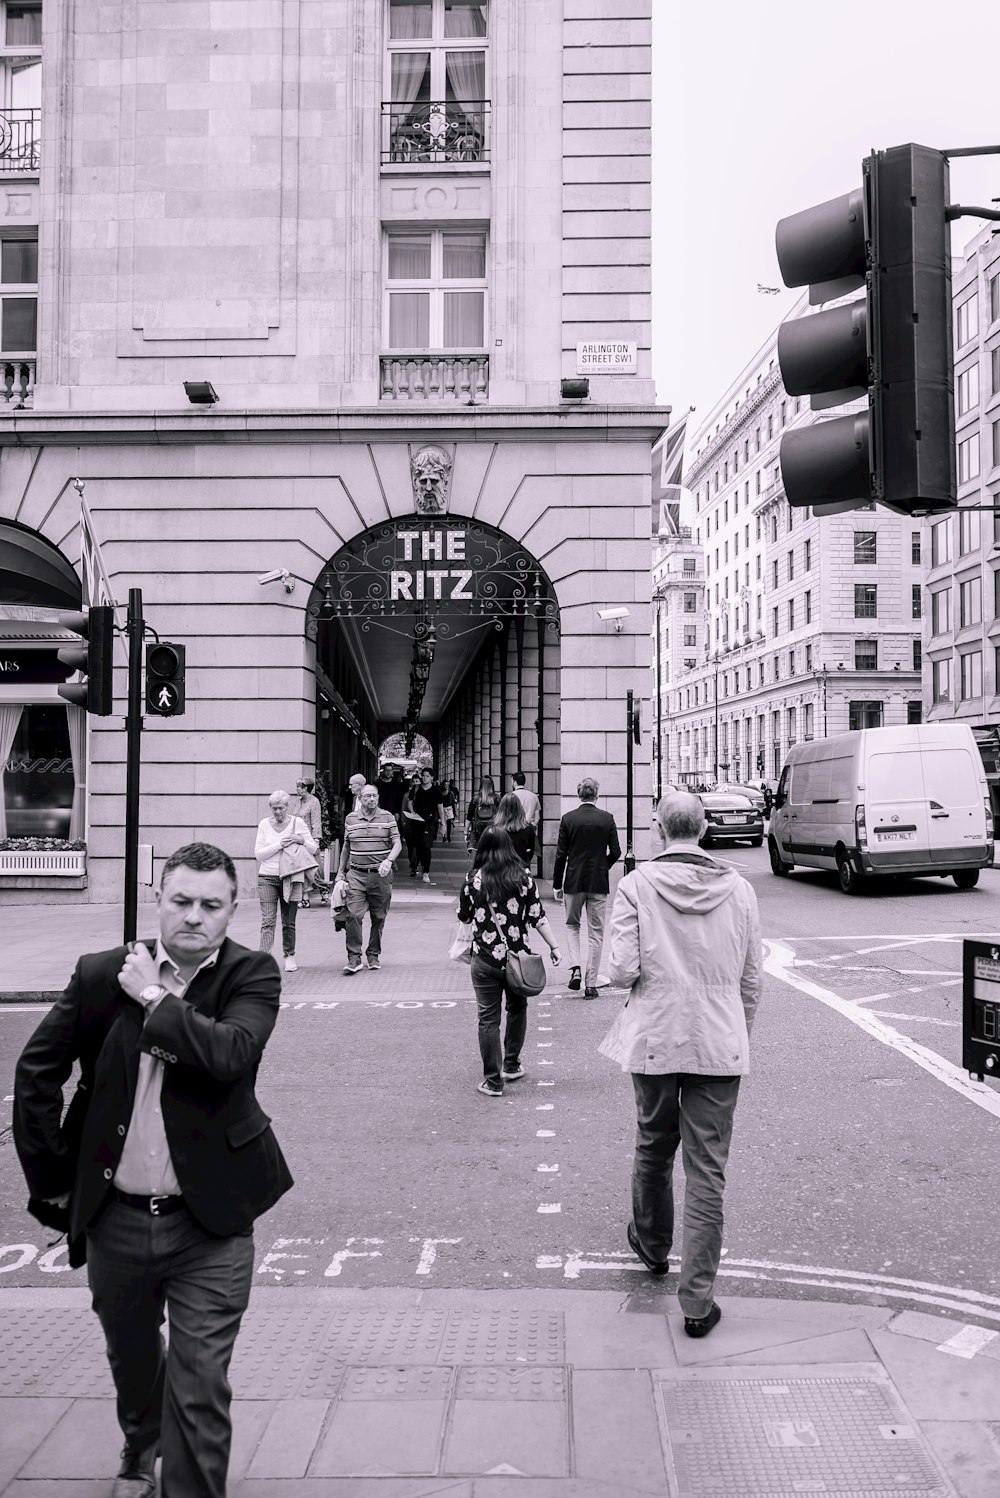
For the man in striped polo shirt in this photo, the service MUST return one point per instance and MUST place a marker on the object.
(371, 847)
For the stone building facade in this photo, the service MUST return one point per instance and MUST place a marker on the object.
(311, 275)
(809, 626)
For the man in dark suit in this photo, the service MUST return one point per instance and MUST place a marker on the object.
(163, 1162)
(588, 846)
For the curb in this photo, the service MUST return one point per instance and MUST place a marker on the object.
(31, 996)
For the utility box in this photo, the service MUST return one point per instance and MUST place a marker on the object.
(145, 863)
(981, 1008)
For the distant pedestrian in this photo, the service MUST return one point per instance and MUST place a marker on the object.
(411, 824)
(685, 940)
(390, 791)
(427, 806)
(371, 847)
(278, 887)
(501, 902)
(306, 805)
(768, 798)
(160, 1165)
(449, 805)
(528, 799)
(352, 793)
(510, 817)
(588, 847)
(481, 811)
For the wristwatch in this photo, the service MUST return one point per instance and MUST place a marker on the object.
(152, 993)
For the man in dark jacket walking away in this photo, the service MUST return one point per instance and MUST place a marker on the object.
(685, 940)
(588, 847)
(163, 1162)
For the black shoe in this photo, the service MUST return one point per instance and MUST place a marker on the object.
(700, 1326)
(653, 1265)
(574, 978)
(590, 993)
(136, 1475)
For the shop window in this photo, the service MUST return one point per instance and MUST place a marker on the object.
(38, 778)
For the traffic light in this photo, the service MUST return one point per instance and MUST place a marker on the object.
(92, 658)
(637, 724)
(895, 345)
(164, 679)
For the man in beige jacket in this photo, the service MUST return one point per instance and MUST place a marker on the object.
(685, 939)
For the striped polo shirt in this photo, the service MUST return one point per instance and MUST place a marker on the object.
(371, 838)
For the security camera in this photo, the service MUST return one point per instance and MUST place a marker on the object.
(278, 574)
(616, 613)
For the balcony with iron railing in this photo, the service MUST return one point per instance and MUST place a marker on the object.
(422, 376)
(444, 132)
(20, 138)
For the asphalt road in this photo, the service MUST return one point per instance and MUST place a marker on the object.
(863, 1164)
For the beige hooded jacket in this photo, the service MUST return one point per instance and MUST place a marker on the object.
(685, 938)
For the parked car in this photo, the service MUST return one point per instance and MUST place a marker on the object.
(753, 793)
(904, 800)
(730, 818)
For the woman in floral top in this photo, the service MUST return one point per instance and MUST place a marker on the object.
(501, 903)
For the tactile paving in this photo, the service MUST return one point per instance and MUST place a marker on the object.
(258, 1372)
(373, 1337)
(504, 1337)
(511, 1383)
(396, 1383)
(779, 1438)
(69, 1361)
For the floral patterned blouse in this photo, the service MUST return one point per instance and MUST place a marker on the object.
(503, 928)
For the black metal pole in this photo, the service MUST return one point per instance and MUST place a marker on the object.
(716, 696)
(540, 865)
(629, 854)
(659, 712)
(133, 752)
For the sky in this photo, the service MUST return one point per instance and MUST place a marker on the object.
(762, 109)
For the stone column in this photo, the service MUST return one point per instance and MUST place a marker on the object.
(496, 717)
(528, 692)
(512, 708)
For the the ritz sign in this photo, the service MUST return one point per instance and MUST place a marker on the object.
(421, 578)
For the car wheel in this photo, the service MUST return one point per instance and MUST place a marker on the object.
(850, 879)
(778, 866)
(966, 878)
(755, 842)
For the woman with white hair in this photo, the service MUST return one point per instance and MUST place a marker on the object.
(277, 888)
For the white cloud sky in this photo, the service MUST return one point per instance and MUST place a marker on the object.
(762, 109)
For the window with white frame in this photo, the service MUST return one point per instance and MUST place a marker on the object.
(971, 677)
(967, 389)
(968, 532)
(18, 291)
(450, 63)
(968, 459)
(970, 602)
(866, 655)
(866, 600)
(967, 320)
(436, 290)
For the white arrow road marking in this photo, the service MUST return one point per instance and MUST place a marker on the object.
(967, 1341)
(550, 1206)
(778, 962)
(428, 1252)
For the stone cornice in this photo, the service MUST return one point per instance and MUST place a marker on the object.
(752, 404)
(372, 424)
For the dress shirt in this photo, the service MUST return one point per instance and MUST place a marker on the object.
(530, 802)
(145, 1167)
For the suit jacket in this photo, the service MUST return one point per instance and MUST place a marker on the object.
(228, 1163)
(587, 848)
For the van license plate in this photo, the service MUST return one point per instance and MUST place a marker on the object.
(896, 837)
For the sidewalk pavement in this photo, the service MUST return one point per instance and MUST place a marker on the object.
(554, 1394)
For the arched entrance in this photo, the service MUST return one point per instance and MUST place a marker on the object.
(447, 627)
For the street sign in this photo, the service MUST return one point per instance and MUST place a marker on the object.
(981, 1008)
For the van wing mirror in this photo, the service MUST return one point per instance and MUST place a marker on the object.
(779, 798)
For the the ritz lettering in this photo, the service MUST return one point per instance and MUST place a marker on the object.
(419, 582)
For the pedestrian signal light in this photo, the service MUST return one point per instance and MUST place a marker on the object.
(92, 658)
(165, 679)
(893, 347)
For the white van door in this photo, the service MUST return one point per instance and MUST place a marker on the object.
(896, 809)
(956, 812)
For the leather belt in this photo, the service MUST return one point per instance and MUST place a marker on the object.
(156, 1206)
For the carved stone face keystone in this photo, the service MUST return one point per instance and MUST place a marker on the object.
(430, 472)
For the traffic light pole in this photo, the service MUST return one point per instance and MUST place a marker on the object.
(629, 731)
(133, 730)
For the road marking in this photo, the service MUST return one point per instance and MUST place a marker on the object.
(428, 1252)
(923, 1019)
(550, 1206)
(778, 962)
(545, 1133)
(25, 1008)
(549, 1169)
(544, 1107)
(967, 1341)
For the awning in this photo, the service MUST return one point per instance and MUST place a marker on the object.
(33, 571)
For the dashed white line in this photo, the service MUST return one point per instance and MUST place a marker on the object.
(967, 1341)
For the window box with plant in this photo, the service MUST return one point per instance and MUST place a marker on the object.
(51, 856)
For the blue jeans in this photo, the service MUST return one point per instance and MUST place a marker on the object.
(490, 989)
(696, 1113)
(177, 1397)
(270, 897)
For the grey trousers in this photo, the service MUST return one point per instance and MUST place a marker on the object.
(696, 1113)
(596, 907)
(177, 1397)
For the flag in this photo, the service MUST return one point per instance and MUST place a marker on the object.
(768, 290)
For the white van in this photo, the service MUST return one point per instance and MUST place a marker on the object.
(907, 800)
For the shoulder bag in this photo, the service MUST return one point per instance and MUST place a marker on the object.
(524, 972)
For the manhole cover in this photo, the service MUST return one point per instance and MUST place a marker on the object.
(782, 1438)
